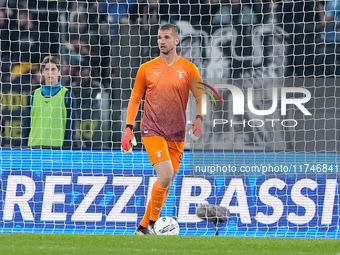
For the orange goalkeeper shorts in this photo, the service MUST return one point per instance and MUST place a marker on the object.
(160, 149)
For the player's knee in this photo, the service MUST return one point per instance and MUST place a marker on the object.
(165, 181)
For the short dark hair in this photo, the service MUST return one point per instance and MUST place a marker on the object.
(172, 27)
(50, 59)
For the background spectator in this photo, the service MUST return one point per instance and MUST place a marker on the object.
(302, 20)
(4, 34)
(332, 36)
(117, 12)
(50, 116)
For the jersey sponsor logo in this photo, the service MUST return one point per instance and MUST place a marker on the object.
(158, 73)
(180, 74)
(158, 153)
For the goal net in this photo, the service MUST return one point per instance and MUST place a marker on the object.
(268, 150)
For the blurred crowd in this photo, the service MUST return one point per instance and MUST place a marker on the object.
(101, 43)
(89, 34)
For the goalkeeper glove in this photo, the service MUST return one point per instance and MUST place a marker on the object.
(128, 138)
(196, 130)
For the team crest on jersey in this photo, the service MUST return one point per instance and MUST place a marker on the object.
(180, 74)
(158, 153)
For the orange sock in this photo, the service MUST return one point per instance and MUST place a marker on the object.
(166, 195)
(145, 221)
(146, 217)
(158, 196)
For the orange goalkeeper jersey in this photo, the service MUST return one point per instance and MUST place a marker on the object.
(166, 90)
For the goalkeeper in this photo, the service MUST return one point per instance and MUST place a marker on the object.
(165, 81)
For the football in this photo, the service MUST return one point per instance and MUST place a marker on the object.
(166, 226)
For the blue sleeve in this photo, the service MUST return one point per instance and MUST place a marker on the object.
(26, 121)
(132, 3)
(103, 6)
(331, 8)
(72, 119)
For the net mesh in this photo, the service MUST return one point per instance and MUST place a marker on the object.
(268, 151)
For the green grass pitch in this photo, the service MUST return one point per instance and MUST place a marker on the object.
(128, 244)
